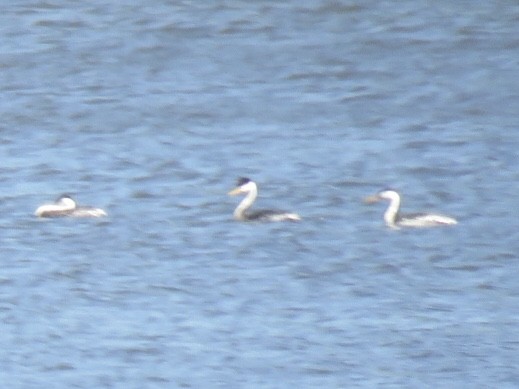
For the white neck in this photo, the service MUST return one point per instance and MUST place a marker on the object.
(239, 212)
(391, 214)
(67, 203)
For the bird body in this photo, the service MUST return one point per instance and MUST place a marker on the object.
(250, 189)
(394, 219)
(65, 206)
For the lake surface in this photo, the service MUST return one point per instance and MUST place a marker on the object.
(152, 110)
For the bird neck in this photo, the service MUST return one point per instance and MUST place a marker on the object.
(239, 212)
(391, 214)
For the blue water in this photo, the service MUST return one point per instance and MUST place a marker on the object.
(152, 110)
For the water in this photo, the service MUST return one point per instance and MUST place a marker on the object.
(151, 111)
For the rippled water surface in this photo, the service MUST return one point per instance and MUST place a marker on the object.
(151, 110)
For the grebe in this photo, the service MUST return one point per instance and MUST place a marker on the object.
(249, 187)
(65, 206)
(394, 219)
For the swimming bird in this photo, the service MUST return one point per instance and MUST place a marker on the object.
(65, 206)
(394, 219)
(249, 187)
